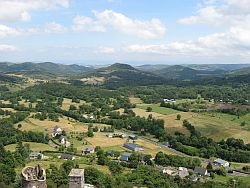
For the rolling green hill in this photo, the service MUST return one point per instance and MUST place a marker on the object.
(42, 68)
(118, 75)
(182, 73)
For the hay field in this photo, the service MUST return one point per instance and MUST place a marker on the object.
(100, 139)
(135, 100)
(31, 124)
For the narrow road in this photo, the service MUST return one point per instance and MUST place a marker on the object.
(156, 143)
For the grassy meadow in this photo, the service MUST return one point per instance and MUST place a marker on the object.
(214, 125)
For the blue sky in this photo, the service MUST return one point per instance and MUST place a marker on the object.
(126, 31)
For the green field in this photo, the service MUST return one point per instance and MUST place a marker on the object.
(33, 147)
(156, 108)
(223, 179)
(214, 125)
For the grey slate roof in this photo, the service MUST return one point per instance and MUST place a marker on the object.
(220, 161)
(199, 170)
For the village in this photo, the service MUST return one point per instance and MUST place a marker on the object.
(36, 176)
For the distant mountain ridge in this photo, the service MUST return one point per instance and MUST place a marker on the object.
(183, 73)
(46, 67)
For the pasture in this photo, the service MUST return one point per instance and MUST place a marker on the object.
(100, 139)
(66, 124)
(214, 125)
(67, 102)
(156, 108)
(33, 147)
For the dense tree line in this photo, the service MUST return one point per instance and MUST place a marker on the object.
(155, 94)
(172, 160)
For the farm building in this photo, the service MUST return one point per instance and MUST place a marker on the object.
(64, 141)
(221, 162)
(125, 156)
(56, 131)
(88, 150)
(109, 135)
(200, 171)
(133, 137)
(66, 156)
(36, 155)
(169, 100)
(132, 146)
(183, 172)
(110, 153)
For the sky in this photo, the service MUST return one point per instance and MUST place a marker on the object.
(126, 31)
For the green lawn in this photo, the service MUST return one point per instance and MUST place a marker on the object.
(156, 108)
(245, 181)
(33, 147)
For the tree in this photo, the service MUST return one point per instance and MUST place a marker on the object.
(221, 171)
(243, 123)
(19, 126)
(115, 167)
(149, 109)
(90, 133)
(72, 107)
(178, 117)
(117, 154)
(68, 166)
(209, 167)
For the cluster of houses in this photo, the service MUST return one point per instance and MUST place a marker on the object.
(169, 100)
(197, 172)
(63, 140)
(183, 172)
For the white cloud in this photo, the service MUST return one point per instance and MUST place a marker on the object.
(234, 17)
(19, 10)
(7, 48)
(83, 23)
(174, 48)
(220, 12)
(54, 27)
(147, 29)
(8, 31)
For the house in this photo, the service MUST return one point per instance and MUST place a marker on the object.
(110, 153)
(169, 100)
(183, 172)
(133, 137)
(88, 150)
(125, 156)
(169, 172)
(36, 155)
(56, 131)
(132, 146)
(66, 156)
(221, 162)
(109, 135)
(172, 171)
(200, 171)
(64, 141)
